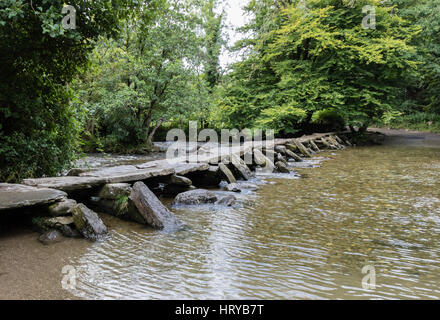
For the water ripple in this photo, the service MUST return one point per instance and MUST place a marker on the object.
(297, 238)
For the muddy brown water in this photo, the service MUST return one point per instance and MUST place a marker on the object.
(296, 238)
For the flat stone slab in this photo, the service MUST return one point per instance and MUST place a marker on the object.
(178, 166)
(14, 196)
(110, 171)
(66, 183)
(100, 177)
(121, 174)
(185, 168)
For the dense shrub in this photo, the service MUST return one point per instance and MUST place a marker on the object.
(328, 120)
(38, 60)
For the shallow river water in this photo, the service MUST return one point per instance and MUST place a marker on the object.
(304, 237)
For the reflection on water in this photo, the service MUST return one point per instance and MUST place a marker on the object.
(298, 238)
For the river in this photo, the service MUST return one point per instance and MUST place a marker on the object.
(306, 236)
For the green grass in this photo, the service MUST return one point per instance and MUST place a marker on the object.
(418, 121)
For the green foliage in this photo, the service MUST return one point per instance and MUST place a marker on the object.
(148, 77)
(281, 119)
(421, 121)
(135, 68)
(122, 204)
(316, 58)
(329, 119)
(38, 127)
(213, 41)
(423, 90)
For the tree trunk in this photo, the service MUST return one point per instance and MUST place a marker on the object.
(153, 131)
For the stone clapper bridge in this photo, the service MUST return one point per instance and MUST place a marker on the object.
(123, 191)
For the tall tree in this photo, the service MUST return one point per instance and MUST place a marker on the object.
(306, 59)
(423, 91)
(213, 25)
(149, 77)
(38, 60)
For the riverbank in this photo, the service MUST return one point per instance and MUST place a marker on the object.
(409, 137)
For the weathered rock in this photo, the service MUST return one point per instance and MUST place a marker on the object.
(270, 154)
(113, 175)
(62, 208)
(88, 223)
(341, 142)
(183, 169)
(181, 146)
(249, 159)
(280, 157)
(266, 164)
(115, 191)
(240, 167)
(280, 149)
(66, 183)
(302, 148)
(248, 186)
(259, 158)
(228, 200)
(130, 173)
(281, 167)
(294, 156)
(14, 196)
(65, 225)
(291, 147)
(51, 237)
(70, 231)
(335, 143)
(180, 181)
(233, 187)
(194, 197)
(123, 208)
(314, 146)
(226, 173)
(208, 178)
(152, 210)
(310, 149)
(326, 143)
(332, 143)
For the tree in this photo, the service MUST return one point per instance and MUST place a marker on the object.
(213, 26)
(305, 59)
(148, 77)
(38, 60)
(423, 90)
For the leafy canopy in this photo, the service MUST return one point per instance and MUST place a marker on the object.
(38, 130)
(303, 60)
